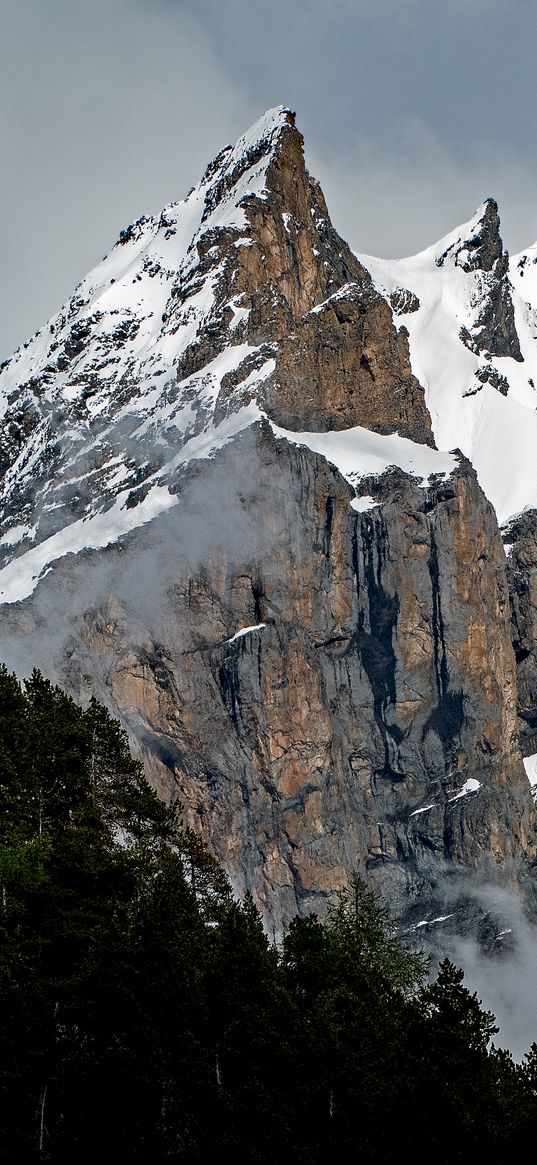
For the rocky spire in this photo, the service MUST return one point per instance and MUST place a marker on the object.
(478, 249)
(339, 359)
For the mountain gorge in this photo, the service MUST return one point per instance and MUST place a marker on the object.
(275, 504)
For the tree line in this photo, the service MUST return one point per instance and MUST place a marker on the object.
(145, 1015)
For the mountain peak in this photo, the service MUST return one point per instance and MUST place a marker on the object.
(266, 129)
(260, 142)
(476, 248)
(476, 245)
(240, 301)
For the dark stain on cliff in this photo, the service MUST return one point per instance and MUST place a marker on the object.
(165, 749)
(375, 646)
(228, 678)
(440, 657)
(447, 718)
(328, 523)
(327, 539)
(257, 595)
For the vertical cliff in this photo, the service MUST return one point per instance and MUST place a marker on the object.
(340, 696)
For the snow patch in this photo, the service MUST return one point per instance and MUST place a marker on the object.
(246, 631)
(342, 293)
(16, 534)
(470, 786)
(287, 218)
(358, 452)
(425, 809)
(530, 765)
(240, 314)
(433, 921)
(361, 505)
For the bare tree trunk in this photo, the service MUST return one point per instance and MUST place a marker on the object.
(42, 1118)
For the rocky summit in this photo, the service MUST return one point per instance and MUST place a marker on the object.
(275, 504)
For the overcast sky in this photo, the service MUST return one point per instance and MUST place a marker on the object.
(413, 112)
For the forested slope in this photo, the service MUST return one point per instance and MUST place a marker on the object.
(145, 1015)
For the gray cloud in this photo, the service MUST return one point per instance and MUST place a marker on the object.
(397, 205)
(412, 114)
(109, 110)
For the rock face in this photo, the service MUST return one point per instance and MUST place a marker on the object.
(347, 366)
(344, 697)
(225, 515)
(521, 536)
(339, 360)
(375, 690)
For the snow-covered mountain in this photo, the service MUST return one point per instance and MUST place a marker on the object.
(156, 361)
(471, 315)
(98, 413)
(239, 502)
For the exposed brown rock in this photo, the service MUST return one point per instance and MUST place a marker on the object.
(345, 365)
(340, 361)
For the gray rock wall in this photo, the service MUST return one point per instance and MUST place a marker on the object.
(340, 735)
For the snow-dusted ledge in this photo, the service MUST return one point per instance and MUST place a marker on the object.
(246, 631)
(470, 786)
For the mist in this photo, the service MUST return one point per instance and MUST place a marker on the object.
(216, 524)
(500, 959)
